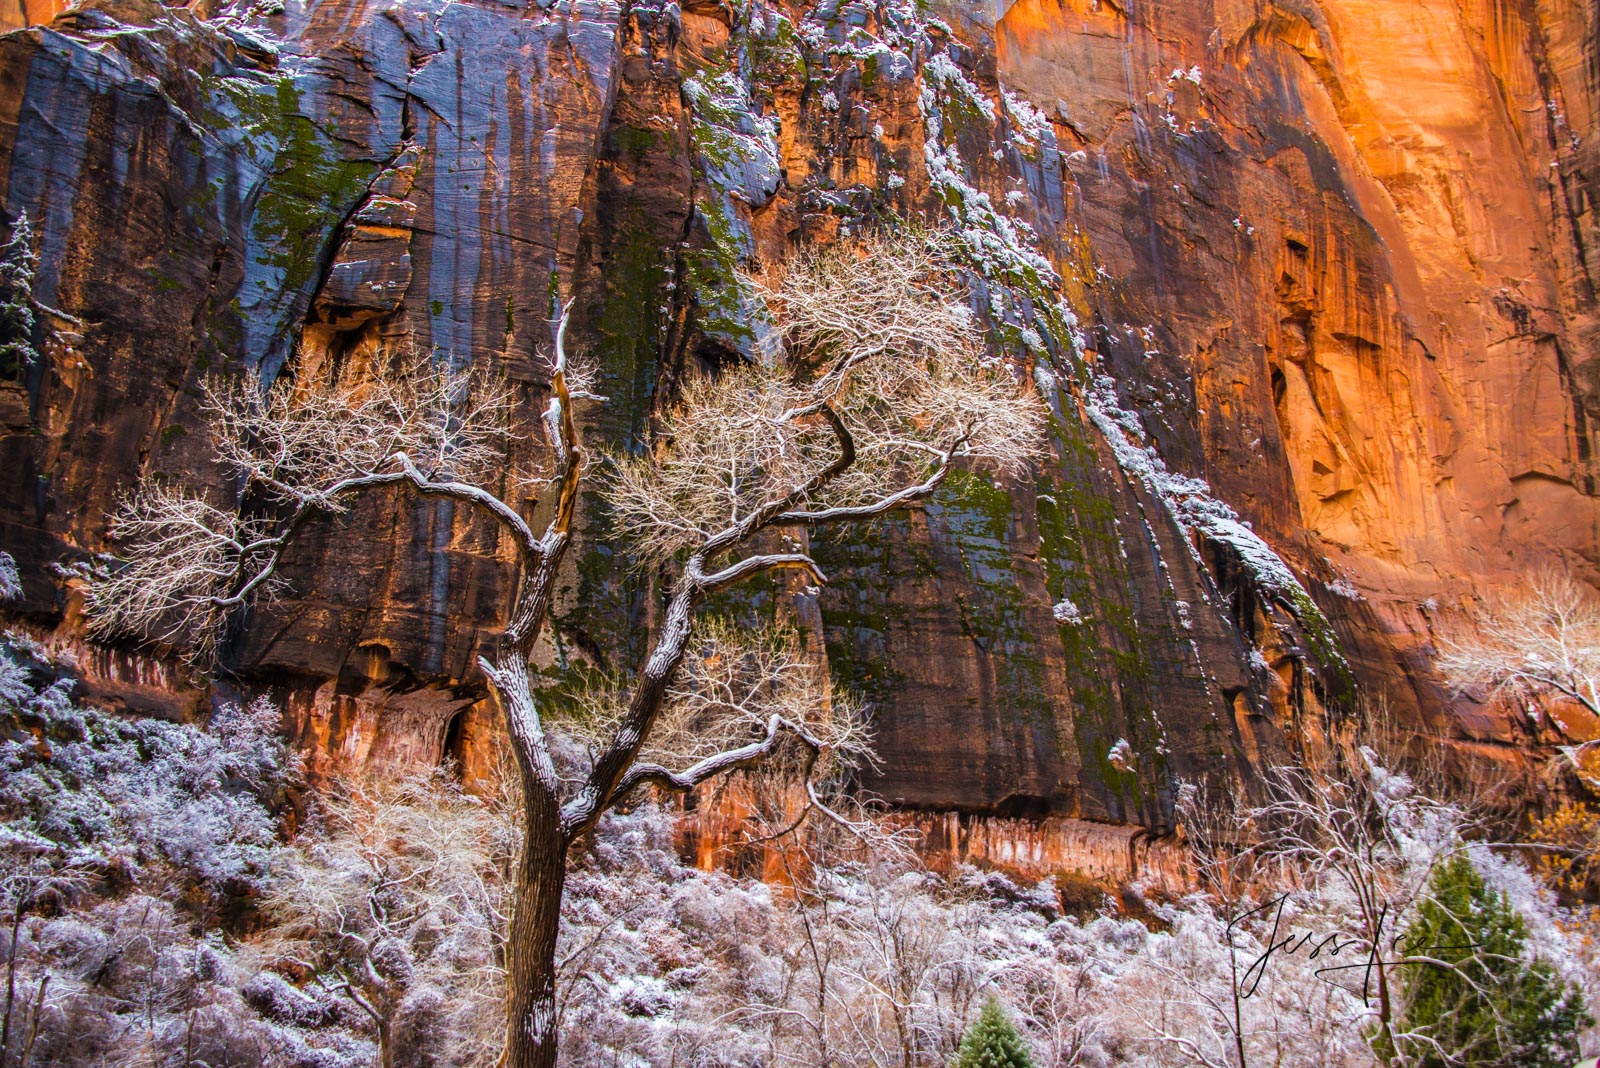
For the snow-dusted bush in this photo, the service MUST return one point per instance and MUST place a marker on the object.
(124, 981)
(393, 899)
(881, 964)
(167, 805)
(10, 581)
(129, 850)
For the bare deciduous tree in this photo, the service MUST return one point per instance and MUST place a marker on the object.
(1371, 843)
(882, 388)
(21, 889)
(1545, 639)
(1544, 642)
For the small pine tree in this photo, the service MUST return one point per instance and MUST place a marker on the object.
(18, 262)
(992, 1041)
(1483, 1005)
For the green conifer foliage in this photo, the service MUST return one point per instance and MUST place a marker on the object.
(18, 261)
(992, 1041)
(1475, 1000)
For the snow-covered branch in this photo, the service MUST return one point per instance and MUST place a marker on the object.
(887, 386)
(302, 451)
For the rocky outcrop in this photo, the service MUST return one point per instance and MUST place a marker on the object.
(1306, 285)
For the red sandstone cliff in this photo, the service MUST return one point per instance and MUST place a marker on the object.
(1394, 356)
(1330, 258)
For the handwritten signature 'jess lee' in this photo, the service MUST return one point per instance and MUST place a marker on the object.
(1250, 981)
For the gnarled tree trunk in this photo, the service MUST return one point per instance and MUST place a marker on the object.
(541, 875)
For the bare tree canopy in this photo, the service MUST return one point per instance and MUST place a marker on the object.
(1545, 639)
(886, 386)
(300, 451)
(733, 681)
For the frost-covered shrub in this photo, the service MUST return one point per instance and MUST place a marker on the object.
(135, 856)
(127, 981)
(374, 937)
(121, 840)
(276, 999)
(143, 800)
(10, 581)
(389, 911)
(880, 964)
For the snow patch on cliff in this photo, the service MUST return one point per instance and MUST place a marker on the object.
(1190, 502)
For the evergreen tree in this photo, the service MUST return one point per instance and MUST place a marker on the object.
(1476, 1001)
(992, 1041)
(18, 261)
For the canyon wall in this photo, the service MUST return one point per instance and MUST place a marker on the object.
(1306, 285)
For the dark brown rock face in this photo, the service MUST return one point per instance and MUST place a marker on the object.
(1307, 286)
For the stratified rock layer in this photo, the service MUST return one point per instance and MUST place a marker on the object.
(1306, 286)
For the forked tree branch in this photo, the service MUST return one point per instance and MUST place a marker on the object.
(900, 499)
(768, 513)
(508, 517)
(408, 474)
(600, 787)
(1554, 682)
(745, 756)
(754, 565)
(730, 760)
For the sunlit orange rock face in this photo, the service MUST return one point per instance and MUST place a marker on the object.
(1365, 229)
(15, 14)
